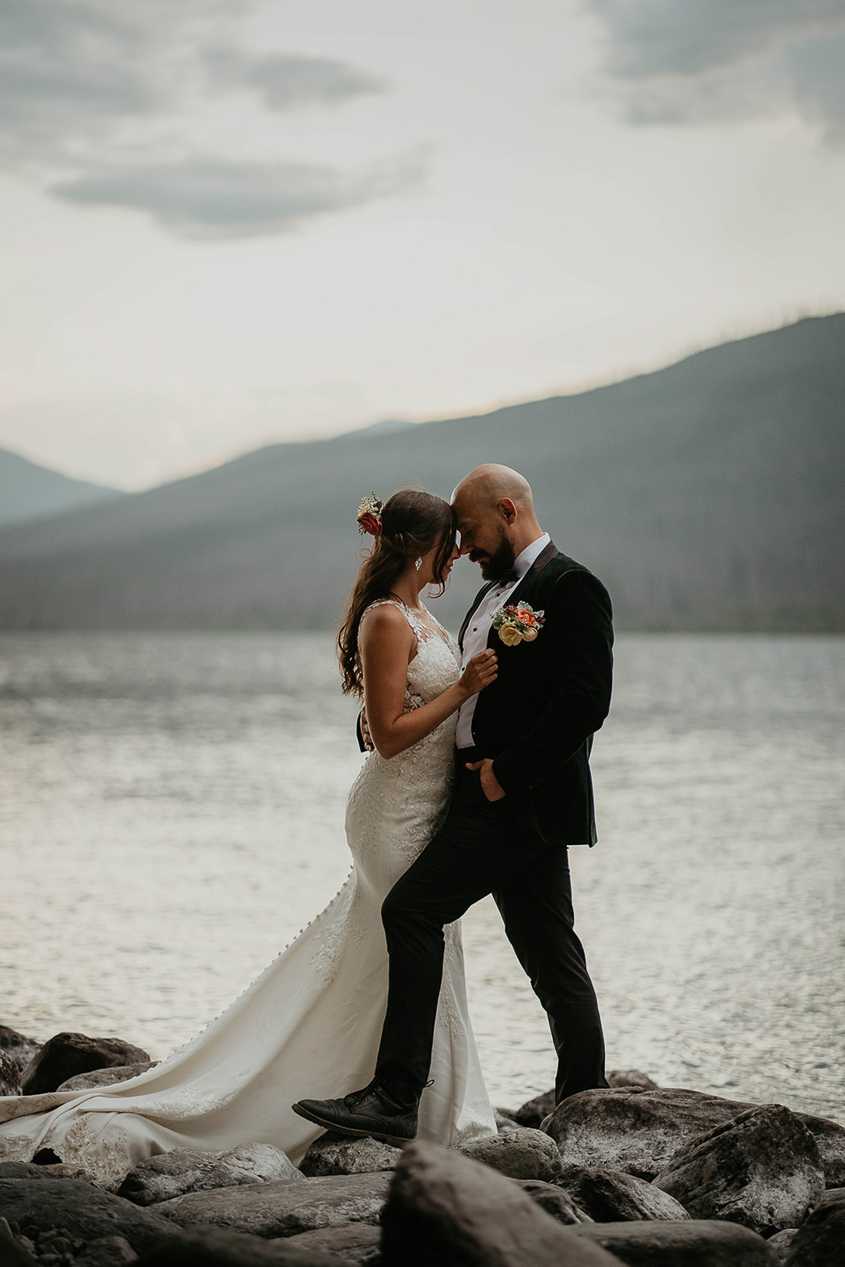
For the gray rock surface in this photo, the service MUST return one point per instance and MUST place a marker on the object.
(107, 1077)
(639, 1131)
(692, 1243)
(820, 1242)
(761, 1169)
(523, 1153)
(781, 1243)
(612, 1196)
(169, 1175)
(445, 1208)
(505, 1120)
(216, 1247)
(356, 1243)
(18, 1047)
(343, 1155)
(284, 1209)
(10, 1075)
(83, 1212)
(554, 1200)
(65, 1055)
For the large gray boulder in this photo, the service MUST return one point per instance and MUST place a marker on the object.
(521, 1154)
(284, 1209)
(761, 1169)
(83, 1212)
(18, 1047)
(820, 1242)
(107, 1077)
(333, 1154)
(691, 1243)
(216, 1247)
(172, 1174)
(639, 1131)
(445, 1208)
(631, 1078)
(65, 1055)
(611, 1196)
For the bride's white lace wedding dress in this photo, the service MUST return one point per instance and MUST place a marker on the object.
(311, 1023)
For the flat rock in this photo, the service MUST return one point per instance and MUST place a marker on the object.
(761, 1169)
(65, 1055)
(169, 1175)
(107, 1077)
(333, 1154)
(10, 1075)
(820, 1242)
(216, 1247)
(445, 1208)
(83, 1212)
(639, 1131)
(284, 1209)
(18, 1047)
(523, 1153)
(356, 1243)
(612, 1196)
(554, 1200)
(691, 1243)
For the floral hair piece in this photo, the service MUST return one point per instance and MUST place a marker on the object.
(369, 516)
(518, 623)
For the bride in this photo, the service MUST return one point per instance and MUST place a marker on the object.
(314, 1016)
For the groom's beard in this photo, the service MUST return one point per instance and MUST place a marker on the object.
(496, 565)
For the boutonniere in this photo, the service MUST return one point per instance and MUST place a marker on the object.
(518, 623)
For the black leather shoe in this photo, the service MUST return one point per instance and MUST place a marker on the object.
(367, 1112)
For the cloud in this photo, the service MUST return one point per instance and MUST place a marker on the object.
(207, 198)
(98, 98)
(696, 62)
(285, 81)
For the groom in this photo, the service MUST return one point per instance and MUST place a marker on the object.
(523, 794)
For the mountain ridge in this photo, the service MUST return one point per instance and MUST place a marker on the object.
(707, 495)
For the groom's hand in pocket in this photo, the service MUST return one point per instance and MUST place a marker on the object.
(490, 785)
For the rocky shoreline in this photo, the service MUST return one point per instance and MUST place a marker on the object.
(637, 1175)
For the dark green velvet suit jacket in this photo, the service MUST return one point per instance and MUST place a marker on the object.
(537, 720)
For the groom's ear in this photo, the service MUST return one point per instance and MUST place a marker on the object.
(507, 509)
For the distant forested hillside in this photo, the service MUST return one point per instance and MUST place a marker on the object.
(29, 491)
(708, 496)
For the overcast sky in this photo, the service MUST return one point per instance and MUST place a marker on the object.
(228, 222)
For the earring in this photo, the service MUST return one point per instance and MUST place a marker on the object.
(418, 562)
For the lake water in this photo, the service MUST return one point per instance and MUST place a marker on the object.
(171, 813)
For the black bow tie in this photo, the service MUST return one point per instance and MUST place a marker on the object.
(510, 578)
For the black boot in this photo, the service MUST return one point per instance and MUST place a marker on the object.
(370, 1111)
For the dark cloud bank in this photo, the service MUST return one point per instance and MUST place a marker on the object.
(74, 74)
(728, 61)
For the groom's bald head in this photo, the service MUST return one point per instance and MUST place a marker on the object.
(494, 507)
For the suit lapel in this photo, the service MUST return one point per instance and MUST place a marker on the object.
(545, 556)
(479, 598)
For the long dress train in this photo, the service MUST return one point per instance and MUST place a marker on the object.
(311, 1023)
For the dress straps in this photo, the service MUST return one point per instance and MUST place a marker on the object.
(420, 628)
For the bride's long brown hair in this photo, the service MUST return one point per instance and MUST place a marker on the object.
(412, 523)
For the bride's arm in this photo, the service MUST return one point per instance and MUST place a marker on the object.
(387, 643)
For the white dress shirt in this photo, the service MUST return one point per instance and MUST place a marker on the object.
(478, 630)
